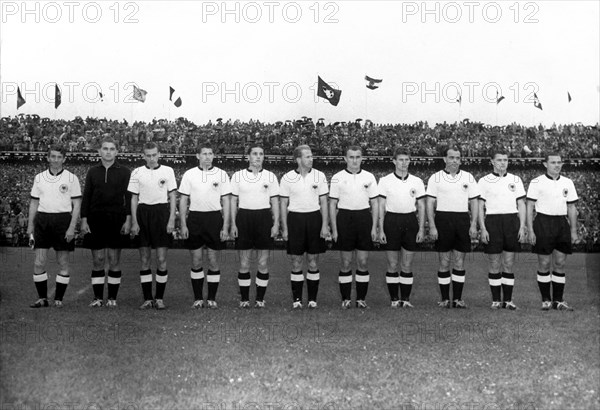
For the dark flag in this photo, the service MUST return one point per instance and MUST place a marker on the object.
(330, 94)
(372, 83)
(177, 102)
(569, 96)
(536, 102)
(139, 94)
(20, 99)
(101, 96)
(499, 98)
(57, 96)
(459, 99)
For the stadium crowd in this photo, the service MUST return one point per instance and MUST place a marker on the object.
(181, 136)
(17, 179)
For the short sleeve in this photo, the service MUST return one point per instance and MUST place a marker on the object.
(273, 186)
(75, 187)
(225, 184)
(323, 189)
(533, 191)
(432, 188)
(572, 194)
(235, 183)
(134, 182)
(372, 190)
(172, 182)
(334, 188)
(184, 186)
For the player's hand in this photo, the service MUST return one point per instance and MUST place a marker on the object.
(135, 230)
(234, 231)
(325, 232)
(522, 234)
(85, 228)
(421, 235)
(433, 233)
(126, 228)
(70, 234)
(284, 233)
(575, 238)
(473, 232)
(171, 225)
(532, 237)
(184, 232)
(485, 236)
(274, 231)
(374, 236)
(334, 234)
(382, 237)
(224, 234)
(31, 241)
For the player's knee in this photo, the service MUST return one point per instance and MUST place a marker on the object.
(362, 263)
(559, 263)
(544, 265)
(406, 266)
(392, 266)
(39, 264)
(312, 265)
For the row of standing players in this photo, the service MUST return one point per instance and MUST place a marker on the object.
(252, 207)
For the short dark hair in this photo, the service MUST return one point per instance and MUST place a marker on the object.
(549, 154)
(353, 148)
(252, 146)
(451, 147)
(108, 140)
(205, 145)
(151, 145)
(401, 151)
(298, 150)
(58, 148)
(498, 151)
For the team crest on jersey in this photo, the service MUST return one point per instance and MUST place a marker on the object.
(512, 187)
(565, 192)
(413, 192)
(315, 186)
(63, 188)
(215, 185)
(367, 185)
(465, 187)
(162, 182)
(266, 186)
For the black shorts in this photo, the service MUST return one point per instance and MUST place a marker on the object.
(205, 230)
(453, 231)
(254, 229)
(504, 233)
(49, 231)
(400, 231)
(153, 220)
(354, 230)
(106, 232)
(304, 233)
(551, 232)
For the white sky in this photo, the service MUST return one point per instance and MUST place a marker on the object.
(202, 52)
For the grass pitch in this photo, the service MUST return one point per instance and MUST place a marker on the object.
(276, 358)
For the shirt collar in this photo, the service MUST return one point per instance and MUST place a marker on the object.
(157, 167)
(250, 170)
(549, 177)
(399, 177)
(57, 174)
(446, 172)
(209, 169)
(498, 175)
(298, 172)
(353, 173)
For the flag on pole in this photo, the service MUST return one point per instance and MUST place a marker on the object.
(139, 94)
(536, 102)
(177, 102)
(57, 96)
(330, 94)
(569, 96)
(372, 83)
(20, 99)
(499, 98)
(101, 95)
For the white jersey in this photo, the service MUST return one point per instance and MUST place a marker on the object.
(501, 193)
(401, 194)
(303, 192)
(452, 193)
(551, 196)
(55, 192)
(353, 191)
(254, 190)
(152, 185)
(205, 188)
